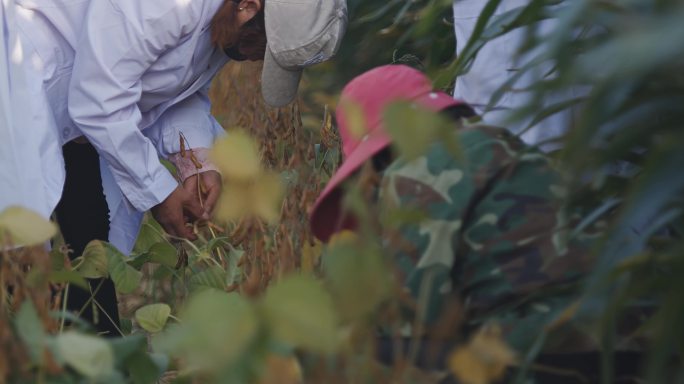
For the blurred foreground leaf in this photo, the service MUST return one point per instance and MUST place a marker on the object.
(216, 329)
(484, 359)
(357, 276)
(23, 227)
(30, 330)
(261, 197)
(413, 128)
(301, 313)
(281, 370)
(90, 356)
(237, 156)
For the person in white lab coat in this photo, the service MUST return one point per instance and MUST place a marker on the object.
(128, 77)
(16, 186)
(495, 64)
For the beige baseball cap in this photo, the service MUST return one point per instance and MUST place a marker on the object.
(300, 33)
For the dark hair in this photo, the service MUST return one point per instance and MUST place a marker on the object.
(247, 42)
(458, 112)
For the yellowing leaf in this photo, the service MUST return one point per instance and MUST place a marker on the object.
(484, 359)
(344, 237)
(153, 317)
(355, 119)
(22, 227)
(301, 313)
(234, 202)
(267, 197)
(282, 370)
(311, 253)
(94, 262)
(261, 197)
(237, 156)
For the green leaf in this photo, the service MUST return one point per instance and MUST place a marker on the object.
(216, 329)
(23, 227)
(138, 261)
(90, 356)
(234, 271)
(144, 369)
(126, 346)
(57, 258)
(300, 312)
(153, 317)
(149, 235)
(164, 253)
(68, 277)
(130, 353)
(126, 278)
(215, 243)
(30, 330)
(214, 277)
(94, 261)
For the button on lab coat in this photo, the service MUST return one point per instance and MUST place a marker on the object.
(129, 75)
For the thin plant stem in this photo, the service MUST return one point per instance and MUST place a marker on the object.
(108, 317)
(91, 298)
(65, 297)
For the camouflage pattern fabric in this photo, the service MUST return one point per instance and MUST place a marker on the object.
(488, 235)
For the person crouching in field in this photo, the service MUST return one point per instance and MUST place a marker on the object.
(487, 244)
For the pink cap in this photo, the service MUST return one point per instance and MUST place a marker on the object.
(371, 92)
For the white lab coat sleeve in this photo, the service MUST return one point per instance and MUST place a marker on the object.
(191, 117)
(119, 41)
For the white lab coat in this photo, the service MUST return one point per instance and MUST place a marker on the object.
(17, 149)
(129, 75)
(495, 64)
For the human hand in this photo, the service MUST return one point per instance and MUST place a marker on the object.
(208, 192)
(171, 213)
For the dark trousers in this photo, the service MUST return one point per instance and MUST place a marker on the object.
(83, 215)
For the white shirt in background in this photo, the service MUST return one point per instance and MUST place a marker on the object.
(495, 64)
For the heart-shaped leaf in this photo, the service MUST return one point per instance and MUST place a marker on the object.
(153, 317)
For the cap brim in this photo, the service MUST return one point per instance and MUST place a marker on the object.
(327, 216)
(278, 85)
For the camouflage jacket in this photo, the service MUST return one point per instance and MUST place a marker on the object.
(486, 234)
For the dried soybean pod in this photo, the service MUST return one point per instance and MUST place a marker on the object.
(182, 144)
